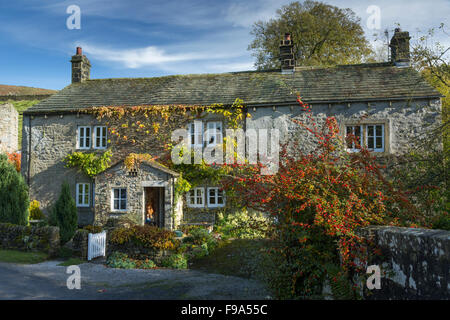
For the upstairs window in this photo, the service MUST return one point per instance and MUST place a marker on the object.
(215, 197)
(214, 133)
(119, 199)
(84, 137)
(82, 194)
(196, 134)
(196, 198)
(100, 137)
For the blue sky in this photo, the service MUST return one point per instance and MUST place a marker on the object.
(138, 38)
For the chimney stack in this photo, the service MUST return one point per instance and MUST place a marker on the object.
(81, 67)
(399, 45)
(287, 54)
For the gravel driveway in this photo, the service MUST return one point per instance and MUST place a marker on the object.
(47, 280)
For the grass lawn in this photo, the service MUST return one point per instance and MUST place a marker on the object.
(24, 257)
(239, 257)
(71, 262)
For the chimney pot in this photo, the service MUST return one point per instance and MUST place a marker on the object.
(79, 51)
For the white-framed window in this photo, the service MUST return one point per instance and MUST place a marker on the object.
(196, 134)
(214, 133)
(375, 137)
(216, 197)
(119, 199)
(83, 194)
(100, 137)
(371, 134)
(357, 131)
(196, 198)
(84, 137)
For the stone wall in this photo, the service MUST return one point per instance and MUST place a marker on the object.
(415, 263)
(28, 238)
(9, 126)
(25, 97)
(80, 243)
(406, 122)
(52, 138)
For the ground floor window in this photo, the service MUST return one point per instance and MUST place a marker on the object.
(196, 198)
(82, 194)
(215, 197)
(119, 199)
(371, 134)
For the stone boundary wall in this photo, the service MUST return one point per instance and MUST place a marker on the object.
(26, 238)
(415, 263)
(25, 97)
(80, 243)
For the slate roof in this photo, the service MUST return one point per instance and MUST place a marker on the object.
(364, 82)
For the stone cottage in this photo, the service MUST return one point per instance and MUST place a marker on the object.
(387, 105)
(9, 123)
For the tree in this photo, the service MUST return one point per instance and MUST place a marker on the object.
(423, 173)
(64, 214)
(14, 201)
(320, 200)
(322, 35)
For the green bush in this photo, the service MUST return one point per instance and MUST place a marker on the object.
(35, 211)
(443, 222)
(65, 253)
(93, 229)
(120, 260)
(146, 236)
(242, 225)
(64, 214)
(200, 236)
(146, 264)
(14, 201)
(175, 261)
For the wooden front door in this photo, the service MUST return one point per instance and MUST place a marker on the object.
(152, 207)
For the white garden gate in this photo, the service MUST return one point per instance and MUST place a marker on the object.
(96, 245)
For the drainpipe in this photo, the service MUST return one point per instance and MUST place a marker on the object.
(29, 151)
(173, 202)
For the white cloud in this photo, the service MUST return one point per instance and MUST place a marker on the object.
(153, 56)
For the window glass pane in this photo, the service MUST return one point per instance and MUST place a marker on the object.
(370, 143)
(370, 131)
(116, 204)
(378, 130)
(86, 198)
(116, 193)
(358, 137)
(379, 143)
(123, 193)
(123, 204)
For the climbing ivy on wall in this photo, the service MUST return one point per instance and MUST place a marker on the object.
(89, 163)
